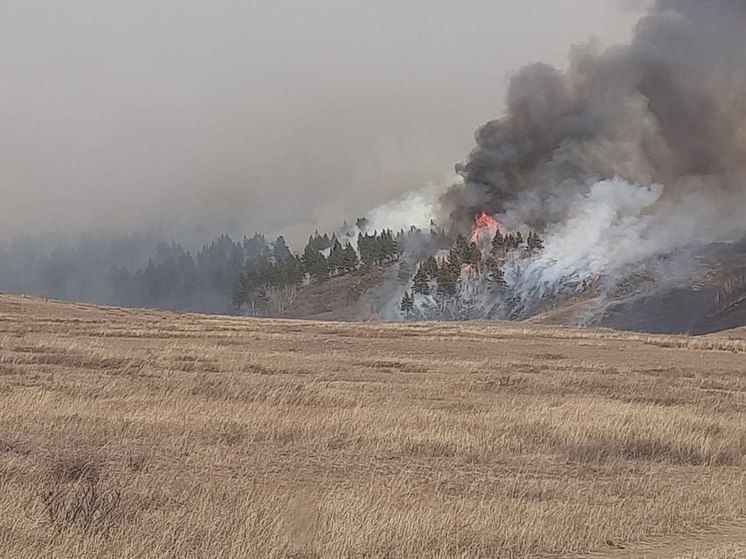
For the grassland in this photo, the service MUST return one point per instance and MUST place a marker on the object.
(145, 434)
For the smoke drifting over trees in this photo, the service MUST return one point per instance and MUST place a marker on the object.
(631, 153)
(634, 156)
(669, 108)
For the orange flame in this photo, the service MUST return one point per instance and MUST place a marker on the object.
(466, 270)
(484, 225)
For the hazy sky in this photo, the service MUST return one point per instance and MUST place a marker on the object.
(277, 115)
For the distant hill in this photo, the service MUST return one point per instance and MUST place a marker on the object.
(338, 298)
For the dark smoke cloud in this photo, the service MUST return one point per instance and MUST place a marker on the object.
(667, 108)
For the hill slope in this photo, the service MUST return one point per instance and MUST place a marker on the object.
(338, 298)
(130, 433)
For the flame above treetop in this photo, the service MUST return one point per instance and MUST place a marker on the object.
(484, 227)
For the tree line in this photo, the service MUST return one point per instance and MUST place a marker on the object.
(439, 277)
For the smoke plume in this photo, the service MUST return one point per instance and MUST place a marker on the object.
(629, 162)
(668, 109)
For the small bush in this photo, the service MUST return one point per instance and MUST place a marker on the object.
(84, 504)
(76, 496)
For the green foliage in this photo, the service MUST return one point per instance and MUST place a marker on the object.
(422, 280)
(447, 277)
(315, 263)
(534, 243)
(499, 245)
(407, 303)
(468, 252)
(350, 259)
(280, 249)
(404, 271)
(377, 248)
(336, 258)
(430, 267)
(495, 274)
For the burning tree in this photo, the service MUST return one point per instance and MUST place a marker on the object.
(471, 279)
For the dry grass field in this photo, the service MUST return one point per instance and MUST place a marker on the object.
(148, 434)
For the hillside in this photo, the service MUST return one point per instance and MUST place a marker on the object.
(338, 298)
(127, 433)
(709, 297)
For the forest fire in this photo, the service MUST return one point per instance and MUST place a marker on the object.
(485, 227)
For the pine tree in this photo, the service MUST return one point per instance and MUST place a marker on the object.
(453, 264)
(462, 249)
(468, 252)
(509, 242)
(446, 279)
(404, 271)
(535, 242)
(430, 267)
(280, 250)
(371, 249)
(321, 270)
(498, 245)
(336, 258)
(315, 263)
(362, 224)
(350, 259)
(496, 276)
(387, 246)
(421, 281)
(407, 304)
(474, 255)
(293, 271)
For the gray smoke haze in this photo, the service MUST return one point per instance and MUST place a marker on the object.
(278, 116)
(669, 109)
(630, 162)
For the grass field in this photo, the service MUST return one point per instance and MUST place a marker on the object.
(145, 434)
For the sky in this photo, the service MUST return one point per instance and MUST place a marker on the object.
(197, 117)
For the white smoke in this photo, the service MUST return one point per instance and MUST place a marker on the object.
(417, 208)
(607, 229)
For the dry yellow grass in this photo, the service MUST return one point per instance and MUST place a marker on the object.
(723, 552)
(144, 434)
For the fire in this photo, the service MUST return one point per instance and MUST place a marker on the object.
(485, 227)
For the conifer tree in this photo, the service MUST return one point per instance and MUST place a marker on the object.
(496, 276)
(407, 304)
(294, 270)
(388, 246)
(453, 263)
(421, 281)
(535, 242)
(462, 249)
(336, 258)
(404, 271)
(474, 255)
(430, 268)
(509, 242)
(280, 250)
(350, 259)
(447, 276)
(315, 263)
